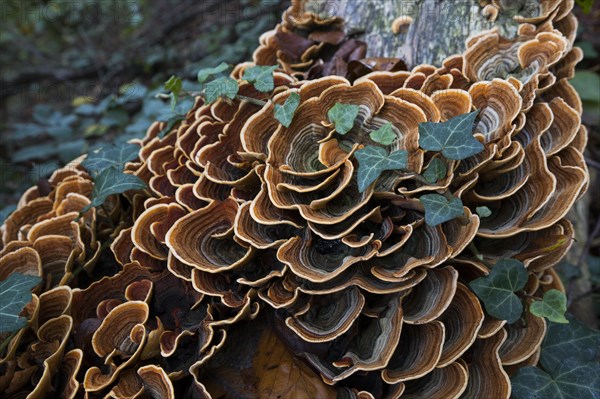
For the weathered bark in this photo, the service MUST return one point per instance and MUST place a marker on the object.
(580, 303)
(439, 28)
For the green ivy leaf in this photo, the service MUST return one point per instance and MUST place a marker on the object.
(553, 306)
(115, 117)
(206, 73)
(285, 113)
(586, 5)
(110, 155)
(15, 293)
(67, 150)
(567, 271)
(174, 85)
(569, 380)
(589, 51)
(95, 130)
(569, 365)
(574, 340)
(183, 106)
(483, 211)
(112, 180)
(343, 116)
(438, 209)
(584, 82)
(454, 138)
(497, 289)
(384, 135)
(435, 171)
(375, 160)
(261, 77)
(222, 87)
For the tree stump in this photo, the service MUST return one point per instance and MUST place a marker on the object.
(439, 28)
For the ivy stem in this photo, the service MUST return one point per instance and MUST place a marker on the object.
(112, 224)
(421, 179)
(7, 340)
(251, 100)
(187, 93)
(526, 295)
(523, 318)
(76, 272)
(478, 255)
(448, 195)
(79, 269)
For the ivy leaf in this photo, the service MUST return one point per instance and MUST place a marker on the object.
(126, 152)
(206, 73)
(567, 271)
(384, 135)
(95, 130)
(497, 289)
(110, 155)
(574, 340)
(435, 171)
(15, 293)
(174, 85)
(375, 160)
(553, 306)
(281, 374)
(483, 211)
(569, 365)
(454, 138)
(222, 87)
(438, 209)
(285, 113)
(586, 5)
(569, 380)
(261, 77)
(112, 180)
(343, 116)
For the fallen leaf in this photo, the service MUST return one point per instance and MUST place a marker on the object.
(283, 375)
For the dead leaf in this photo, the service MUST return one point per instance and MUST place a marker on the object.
(264, 367)
(283, 375)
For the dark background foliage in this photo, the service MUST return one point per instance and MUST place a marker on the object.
(78, 72)
(75, 73)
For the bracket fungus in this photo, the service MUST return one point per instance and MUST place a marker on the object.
(244, 215)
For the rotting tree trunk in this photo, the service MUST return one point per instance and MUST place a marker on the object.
(439, 29)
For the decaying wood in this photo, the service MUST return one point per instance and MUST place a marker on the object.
(439, 28)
